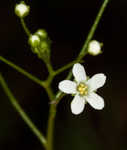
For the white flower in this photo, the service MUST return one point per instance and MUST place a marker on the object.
(22, 9)
(94, 48)
(83, 89)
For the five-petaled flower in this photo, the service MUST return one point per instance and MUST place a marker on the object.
(84, 89)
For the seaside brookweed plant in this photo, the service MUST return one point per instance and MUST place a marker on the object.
(83, 89)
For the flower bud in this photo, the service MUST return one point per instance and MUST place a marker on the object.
(42, 33)
(44, 45)
(22, 10)
(94, 48)
(34, 40)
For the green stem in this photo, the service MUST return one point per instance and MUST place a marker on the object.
(22, 71)
(83, 51)
(21, 112)
(50, 69)
(49, 91)
(51, 119)
(65, 67)
(25, 27)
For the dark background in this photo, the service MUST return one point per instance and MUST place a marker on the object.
(67, 23)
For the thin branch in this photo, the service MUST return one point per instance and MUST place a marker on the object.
(22, 71)
(67, 66)
(25, 27)
(21, 112)
(92, 30)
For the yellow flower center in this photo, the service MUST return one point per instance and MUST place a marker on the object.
(82, 89)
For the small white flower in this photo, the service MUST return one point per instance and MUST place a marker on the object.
(94, 48)
(83, 89)
(22, 9)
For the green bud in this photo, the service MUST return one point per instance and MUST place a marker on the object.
(44, 45)
(45, 50)
(42, 33)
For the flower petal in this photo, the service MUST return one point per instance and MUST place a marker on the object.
(96, 81)
(95, 101)
(77, 105)
(79, 72)
(67, 86)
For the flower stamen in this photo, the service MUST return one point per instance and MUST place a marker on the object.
(82, 89)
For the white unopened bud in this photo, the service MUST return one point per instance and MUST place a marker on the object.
(94, 48)
(34, 40)
(22, 10)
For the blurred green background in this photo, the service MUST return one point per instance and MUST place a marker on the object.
(67, 23)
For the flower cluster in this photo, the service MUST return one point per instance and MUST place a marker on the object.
(84, 89)
(40, 44)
